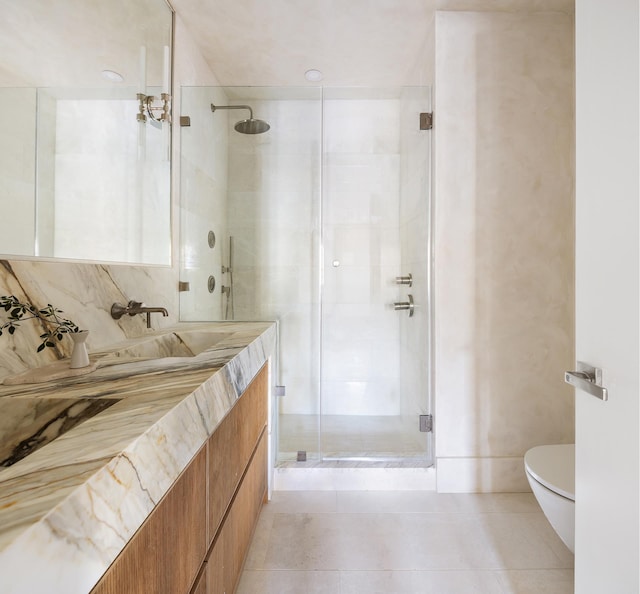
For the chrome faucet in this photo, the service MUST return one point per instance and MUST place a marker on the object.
(134, 308)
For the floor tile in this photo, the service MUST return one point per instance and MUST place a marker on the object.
(522, 541)
(419, 582)
(289, 582)
(494, 502)
(352, 542)
(395, 502)
(301, 502)
(542, 581)
(403, 541)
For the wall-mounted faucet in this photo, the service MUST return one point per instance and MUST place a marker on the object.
(134, 308)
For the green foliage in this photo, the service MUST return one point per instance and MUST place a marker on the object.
(16, 312)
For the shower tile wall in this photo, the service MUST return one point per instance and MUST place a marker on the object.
(274, 193)
(203, 159)
(360, 352)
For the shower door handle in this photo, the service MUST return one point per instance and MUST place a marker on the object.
(402, 305)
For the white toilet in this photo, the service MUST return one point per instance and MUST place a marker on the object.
(551, 473)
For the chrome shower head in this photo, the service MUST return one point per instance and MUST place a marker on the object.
(249, 126)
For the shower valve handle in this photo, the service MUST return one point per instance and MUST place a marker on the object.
(402, 305)
(404, 280)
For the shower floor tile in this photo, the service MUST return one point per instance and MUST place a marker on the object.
(350, 436)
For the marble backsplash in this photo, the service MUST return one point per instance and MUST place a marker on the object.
(85, 293)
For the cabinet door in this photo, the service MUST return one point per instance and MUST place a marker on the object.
(227, 556)
(166, 553)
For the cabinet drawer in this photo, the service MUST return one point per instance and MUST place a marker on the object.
(232, 445)
(224, 564)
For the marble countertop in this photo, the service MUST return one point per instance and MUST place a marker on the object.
(68, 508)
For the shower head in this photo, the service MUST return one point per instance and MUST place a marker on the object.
(249, 126)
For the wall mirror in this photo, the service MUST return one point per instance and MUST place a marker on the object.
(84, 151)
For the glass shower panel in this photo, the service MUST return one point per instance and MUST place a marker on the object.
(314, 220)
(375, 359)
(274, 220)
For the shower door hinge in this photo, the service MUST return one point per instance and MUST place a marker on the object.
(426, 423)
(185, 121)
(281, 390)
(426, 121)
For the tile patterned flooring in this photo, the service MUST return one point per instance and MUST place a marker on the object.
(405, 542)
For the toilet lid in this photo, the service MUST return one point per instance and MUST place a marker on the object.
(554, 466)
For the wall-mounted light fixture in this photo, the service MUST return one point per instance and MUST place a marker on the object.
(146, 108)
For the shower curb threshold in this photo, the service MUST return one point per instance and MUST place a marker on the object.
(327, 476)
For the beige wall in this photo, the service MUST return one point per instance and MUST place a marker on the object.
(504, 243)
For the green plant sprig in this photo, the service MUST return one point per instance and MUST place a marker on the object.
(21, 312)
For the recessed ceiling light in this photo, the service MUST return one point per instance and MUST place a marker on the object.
(313, 75)
(112, 76)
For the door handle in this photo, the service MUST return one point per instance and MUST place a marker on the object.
(588, 379)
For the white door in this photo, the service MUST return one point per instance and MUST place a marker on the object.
(607, 296)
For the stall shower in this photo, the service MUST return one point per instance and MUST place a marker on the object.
(327, 221)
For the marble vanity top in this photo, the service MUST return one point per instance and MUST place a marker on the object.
(119, 437)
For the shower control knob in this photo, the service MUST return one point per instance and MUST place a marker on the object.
(404, 280)
(405, 305)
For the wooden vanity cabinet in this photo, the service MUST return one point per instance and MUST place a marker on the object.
(189, 544)
(165, 554)
(226, 558)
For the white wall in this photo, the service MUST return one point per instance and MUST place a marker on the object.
(503, 243)
(607, 295)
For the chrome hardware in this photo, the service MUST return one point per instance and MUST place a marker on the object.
(147, 108)
(587, 379)
(134, 308)
(426, 423)
(400, 305)
(404, 280)
(184, 286)
(185, 121)
(211, 283)
(426, 121)
(225, 290)
(211, 239)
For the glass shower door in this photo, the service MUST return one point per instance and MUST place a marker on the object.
(375, 380)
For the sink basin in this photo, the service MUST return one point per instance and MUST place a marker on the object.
(187, 343)
(27, 424)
